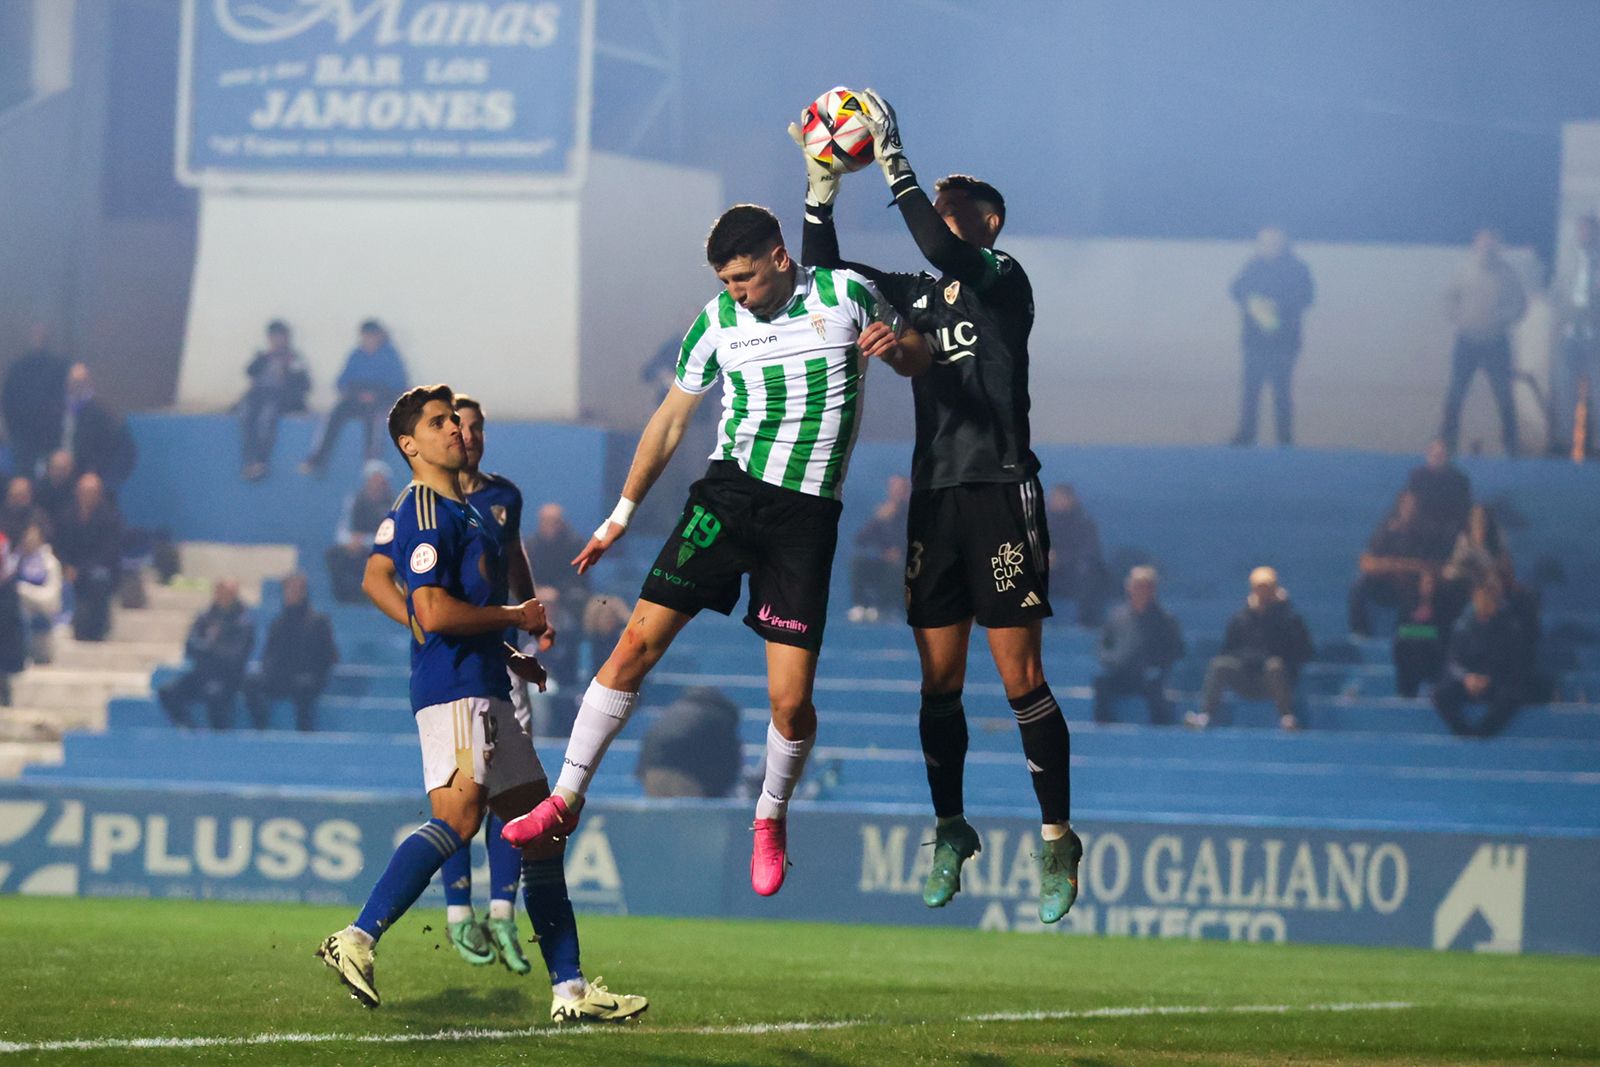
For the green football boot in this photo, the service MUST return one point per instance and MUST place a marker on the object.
(472, 941)
(1058, 876)
(503, 932)
(953, 844)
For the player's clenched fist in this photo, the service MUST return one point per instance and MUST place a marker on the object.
(879, 341)
(530, 617)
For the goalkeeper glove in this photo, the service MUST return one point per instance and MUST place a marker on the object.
(879, 118)
(822, 184)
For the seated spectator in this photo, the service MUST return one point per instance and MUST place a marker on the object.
(1419, 639)
(88, 542)
(1488, 665)
(1263, 650)
(552, 547)
(1077, 568)
(20, 511)
(1479, 555)
(33, 400)
(57, 491)
(1444, 493)
(373, 376)
(98, 437)
(39, 588)
(878, 571)
(299, 654)
(692, 749)
(352, 544)
(279, 382)
(217, 650)
(1397, 556)
(1138, 647)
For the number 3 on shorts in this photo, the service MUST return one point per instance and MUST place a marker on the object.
(914, 561)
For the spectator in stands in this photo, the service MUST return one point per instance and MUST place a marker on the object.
(97, 436)
(88, 541)
(551, 549)
(33, 399)
(1265, 647)
(39, 588)
(1577, 374)
(1396, 557)
(1479, 555)
(1484, 301)
(295, 664)
(217, 650)
(878, 571)
(20, 510)
(279, 382)
(692, 749)
(1077, 568)
(373, 376)
(1444, 495)
(1273, 292)
(1418, 651)
(1138, 647)
(363, 512)
(13, 636)
(1488, 665)
(57, 491)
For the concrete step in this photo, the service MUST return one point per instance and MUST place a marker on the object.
(149, 625)
(187, 598)
(73, 689)
(142, 656)
(47, 724)
(14, 755)
(250, 564)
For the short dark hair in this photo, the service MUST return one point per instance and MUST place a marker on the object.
(743, 230)
(462, 400)
(408, 409)
(977, 189)
(372, 326)
(278, 326)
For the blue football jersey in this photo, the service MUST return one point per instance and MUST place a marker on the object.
(499, 503)
(434, 540)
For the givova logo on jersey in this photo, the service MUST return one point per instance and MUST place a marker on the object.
(1006, 563)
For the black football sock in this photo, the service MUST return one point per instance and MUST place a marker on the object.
(1048, 747)
(943, 725)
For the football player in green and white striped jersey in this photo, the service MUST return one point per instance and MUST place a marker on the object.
(790, 346)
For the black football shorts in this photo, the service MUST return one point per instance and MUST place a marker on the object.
(977, 551)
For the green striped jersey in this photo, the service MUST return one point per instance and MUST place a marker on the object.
(792, 384)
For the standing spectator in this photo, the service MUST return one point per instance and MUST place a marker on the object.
(97, 436)
(692, 749)
(363, 513)
(20, 510)
(1484, 302)
(1273, 292)
(1444, 495)
(878, 571)
(551, 549)
(373, 376)
(1488, 665)
(34, 402)
(88, 541)
(1263, 650)
(1077, 567)
(1418, 649)
(1577, 375)
(296, 661)
(1396, 558)
(57, 491)
(217, 650)
(279, 382)
(1138, 647)
(39, 588)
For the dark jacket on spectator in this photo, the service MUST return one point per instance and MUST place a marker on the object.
(1496, 647)
(1444, 497)
(300, 643)
(693, 749)
(34, 401)
(1286, 281)
(88, 543)
(101, 443)
(1276, 630)
(1074, 537)
(380, 372)
(1134, 643)
(220, 640)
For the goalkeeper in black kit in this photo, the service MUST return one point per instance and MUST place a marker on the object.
(977, 544)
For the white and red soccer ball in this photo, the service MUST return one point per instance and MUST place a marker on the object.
(833, 132)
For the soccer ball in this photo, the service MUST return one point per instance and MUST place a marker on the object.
(833, 131)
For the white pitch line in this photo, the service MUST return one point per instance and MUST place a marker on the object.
(736, 1030)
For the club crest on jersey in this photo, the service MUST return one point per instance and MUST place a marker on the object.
(423, 557)
(499, 513)
(820, 324)
(385, 532)
(951, 292)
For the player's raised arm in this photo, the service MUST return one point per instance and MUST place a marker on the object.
(905, 353)
(656, 445)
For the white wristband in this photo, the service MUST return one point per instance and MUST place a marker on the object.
(619, 516)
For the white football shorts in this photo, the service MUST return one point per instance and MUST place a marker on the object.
(479, 737)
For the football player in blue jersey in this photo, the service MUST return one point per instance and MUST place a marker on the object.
(476, 757)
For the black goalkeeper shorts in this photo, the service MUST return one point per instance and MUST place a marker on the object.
(977, 551)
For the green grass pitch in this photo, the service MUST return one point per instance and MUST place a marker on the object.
(98, 972)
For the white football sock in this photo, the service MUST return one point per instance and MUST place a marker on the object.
(571, 989)
(1054, 831)
(360, 934)
(601, 718)
(457, 913)
(786, 760)
(502, 909)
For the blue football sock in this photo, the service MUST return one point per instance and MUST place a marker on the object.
(457, 877)
(505, 863)
(544, 892)
(410, 869)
